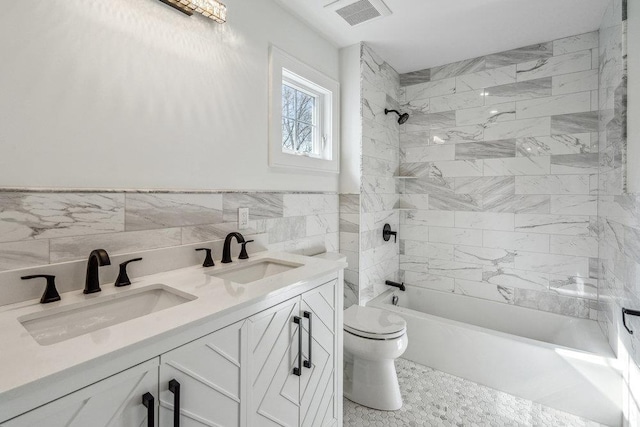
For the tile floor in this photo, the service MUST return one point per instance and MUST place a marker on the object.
(433, 398)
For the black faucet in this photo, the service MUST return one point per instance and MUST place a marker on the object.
(395, 284)
(50, 293)
(97, 257)
(226, 250)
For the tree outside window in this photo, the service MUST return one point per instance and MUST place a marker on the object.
(299, 121)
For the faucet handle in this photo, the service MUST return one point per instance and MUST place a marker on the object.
(243, 251)
(387, 233)
(50, 293)
(123, 277)
(208, 260)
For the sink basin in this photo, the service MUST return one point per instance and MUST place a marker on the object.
(63, 323)
(252, 271)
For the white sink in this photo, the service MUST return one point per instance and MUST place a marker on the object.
(60, 324)
(252, 271)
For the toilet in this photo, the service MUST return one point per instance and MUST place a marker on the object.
(373, 340)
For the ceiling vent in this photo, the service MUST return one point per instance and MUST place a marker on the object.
(356, 12)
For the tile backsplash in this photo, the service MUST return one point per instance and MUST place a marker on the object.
(38, 228)
(504, 151)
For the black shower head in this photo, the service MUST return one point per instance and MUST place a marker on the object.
(402, 117)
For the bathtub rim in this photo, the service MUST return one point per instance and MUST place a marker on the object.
(611, 359)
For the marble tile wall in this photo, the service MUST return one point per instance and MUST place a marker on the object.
(378, 260)
(618, 210)
(350, 246)
(503, 151)
(38, 228)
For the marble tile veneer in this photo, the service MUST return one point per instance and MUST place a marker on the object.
(504, 148)
(37, 228)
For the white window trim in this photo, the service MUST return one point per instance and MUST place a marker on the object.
(328, 90)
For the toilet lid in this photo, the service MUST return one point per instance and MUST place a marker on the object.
(372, 322)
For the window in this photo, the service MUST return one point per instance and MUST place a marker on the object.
(300, 133)
(303, 116)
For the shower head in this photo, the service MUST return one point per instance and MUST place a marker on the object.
(402, 117)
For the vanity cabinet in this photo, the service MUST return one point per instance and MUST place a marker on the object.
(240, 375)
(293, 361)
(205, 378)
(115, 401)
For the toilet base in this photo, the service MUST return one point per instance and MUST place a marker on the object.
(372, 383)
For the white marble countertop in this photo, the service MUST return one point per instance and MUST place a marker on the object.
(24, 361)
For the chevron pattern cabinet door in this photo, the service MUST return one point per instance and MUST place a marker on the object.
(209, 371)
(318, 383)
(273, 352)
(113, 402)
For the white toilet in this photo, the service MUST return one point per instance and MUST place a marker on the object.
(373, 339)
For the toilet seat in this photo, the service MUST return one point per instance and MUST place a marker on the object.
(373, 323)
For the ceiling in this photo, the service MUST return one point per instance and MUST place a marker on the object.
(425, 33)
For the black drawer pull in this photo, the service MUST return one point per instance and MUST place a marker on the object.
(174, 387)
(149, 402)
(298, 370)
(307, 363)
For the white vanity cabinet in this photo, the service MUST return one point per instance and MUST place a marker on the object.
(115, 401)
(240, 375)
(290, 385)
(205, 379)
(320, 403)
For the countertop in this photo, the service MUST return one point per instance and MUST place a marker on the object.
(23, 361)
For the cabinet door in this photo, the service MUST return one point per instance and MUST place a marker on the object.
(113, 402)
(318, 382)
(273, 353)
(208, 372)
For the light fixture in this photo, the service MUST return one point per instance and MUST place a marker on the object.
(210, 8)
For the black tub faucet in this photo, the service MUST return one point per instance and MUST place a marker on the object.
(396, 284)
(226, 250)
(97, 258)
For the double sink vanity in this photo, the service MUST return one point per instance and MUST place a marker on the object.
(255, 342)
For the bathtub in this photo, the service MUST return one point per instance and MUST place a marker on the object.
(557, 361)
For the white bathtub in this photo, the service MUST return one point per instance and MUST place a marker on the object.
(558, 361)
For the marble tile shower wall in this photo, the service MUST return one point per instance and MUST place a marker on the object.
(378, 260)
(38, 228)
(618, 210)
(504, 151)
(350, 246)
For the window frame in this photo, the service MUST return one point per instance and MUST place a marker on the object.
(285, 69)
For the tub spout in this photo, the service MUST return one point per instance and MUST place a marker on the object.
(397, 285)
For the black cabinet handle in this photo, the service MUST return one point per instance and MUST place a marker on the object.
(307, 363)
(174, 387)
(149, 402)
(298, 370)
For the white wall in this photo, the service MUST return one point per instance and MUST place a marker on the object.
(633, 112)
(351, 123)
(132, 94)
